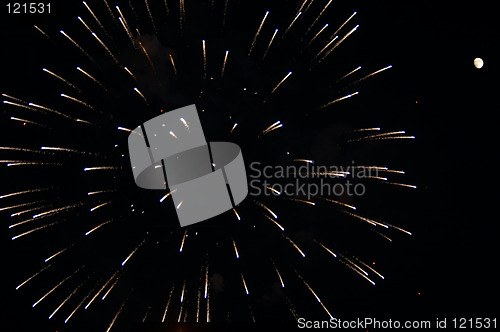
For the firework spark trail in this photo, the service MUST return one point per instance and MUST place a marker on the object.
(266, 208)
(41, 31)
(338, 43)
(100, 192)
(123, 17)
(167, 195)
(326, 310)
(270, 43)
(182, 13)
(340, 203)
(356, 266)
(251, 313)
(133, 252)
(175, 136)
(85, 24)
(31, 210)
(142, 96)
(291, 308)
(319, 16)
(129, 33)
(62, 79)
(302, 6)
(236, 250)
(305, 160)
(116, 316)
(237, 215)
(274, 190)
(370, 221)
(20, 205)
(324, 247)
(339, 99)
(257, 34)
(182, 292)
(14, 98)
(272, 127)
(150, 15)
(109, 10)
(97, 227)
(309, 5)
(348, 74)
(53, 111)
(66, 300)
(58, 253)
(58, 210)
(20, 105)
(244, 284)
(125, 25)
(233, 128)
(97, 20)
(109, 290)
(206, 282)
(33, 163)
(385, 169)
(106, 48)
(302, 201)
(198, 301)
(392, 133)
(376, 177)
(399, 229)
(168, 304)
(402, 185)
(325, 47)
(173, 64)
(308, 287)
(180, 313)
(370, 75)
(226, 2)
(343, 24)
(146, 314)
(279, 275)
(66, 150)
(182, 242)
(10, 161)
(279, 84)
(294, 245)
(101, 168)
(317, 34)
(275, 222)
(391, 137)
(78, 306)
(224, 66)
(100, 290)
(208, 307)
(77, 45)
(99, 206)
(78, 101)
(33, 276)
(55, 287)
(366, 129)
(92, 78)
(150, 61)
(370, 268)
(204, 59)
(291, 24)
(359, 272)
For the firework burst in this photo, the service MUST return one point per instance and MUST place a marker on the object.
(113, 249)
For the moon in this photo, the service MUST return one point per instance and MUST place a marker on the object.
(478, 63)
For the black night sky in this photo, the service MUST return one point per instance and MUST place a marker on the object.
(446, 268)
